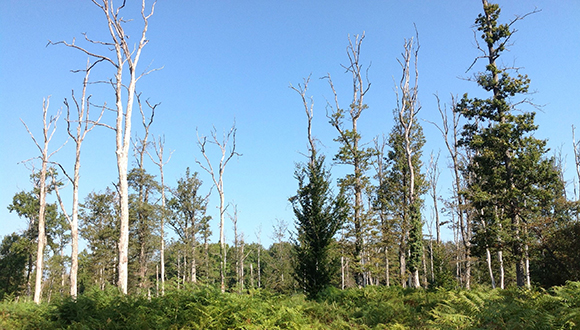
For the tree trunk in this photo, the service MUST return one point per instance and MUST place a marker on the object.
(47, 134)
(387, 275)
(527, 255)
(41, 226)
(252, 276)
(342, 272)
(425, 282)
(259, 269)
(223, 251)
(403, 264)
(489, 268)
(501, 269)
(431, 259)
(162, 229)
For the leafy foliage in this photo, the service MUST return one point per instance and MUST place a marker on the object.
(205, 307)
(509, 175)
(319, 215)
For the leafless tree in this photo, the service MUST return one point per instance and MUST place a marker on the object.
(239, 250)
(77, 129)
(140, 146)
(385, 223)
(576, 146)
(217, 177)
(259, 241)
(433, 178)
(125, 59)
(308, 108)
(48, 129)
(449, 129)
(408, 106)
(159, 147)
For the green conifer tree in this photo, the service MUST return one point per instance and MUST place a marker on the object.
(509, 173)
(319, 215)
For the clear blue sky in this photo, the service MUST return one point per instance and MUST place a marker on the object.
(235, 59)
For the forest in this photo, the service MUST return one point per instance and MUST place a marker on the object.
(362, 250)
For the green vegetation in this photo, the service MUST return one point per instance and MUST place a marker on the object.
(205, 307)
(509, 212)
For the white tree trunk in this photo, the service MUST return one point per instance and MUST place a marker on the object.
(501, 269)
(41, 228)
(124, 54)
(489, 268)
(44, 156)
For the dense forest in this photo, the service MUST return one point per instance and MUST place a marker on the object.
(367, 240)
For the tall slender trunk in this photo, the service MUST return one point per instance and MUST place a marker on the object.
(403, 262)
(74, 226)
(501, 269)
(223, 251)
(162, 229)
(387, 272)
(424, 262)
(47, 136)
(259, 269)
(489, 268)
(431, 258)
(41, 229)
(527, 255)
(342, 272)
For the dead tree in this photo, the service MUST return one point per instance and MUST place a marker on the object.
(449, 129)
(77, 129)
(226, 156)
(408, 107)
(576, 146)
(140, 146)
(159, 147)
(385, 222)
(259, 241)
(48, 129)
(125, 59)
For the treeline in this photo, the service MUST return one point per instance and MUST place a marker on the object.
(512, 221)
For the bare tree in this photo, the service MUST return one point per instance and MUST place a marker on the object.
(159, 147)
(226, 156)
(239, 250)
(449, 129)
(351, 151)
(141, 183)
(48, 129)
(308, 108)
(385, 222)
(82, 125)
(408, 107)
(125, 59)
(433, 178)
(576, 146)
(259, 241)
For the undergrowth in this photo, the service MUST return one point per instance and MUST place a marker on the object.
(203, 307)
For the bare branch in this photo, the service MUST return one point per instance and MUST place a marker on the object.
(91, 54)
(55, 185)
(301, 90)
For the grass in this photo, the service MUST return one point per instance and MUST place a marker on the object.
(202, 307)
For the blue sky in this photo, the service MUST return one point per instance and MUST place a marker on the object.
(235, 59)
